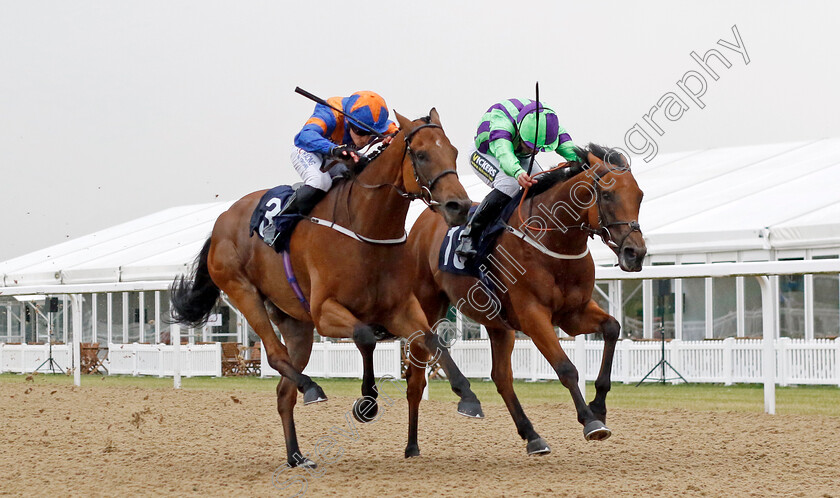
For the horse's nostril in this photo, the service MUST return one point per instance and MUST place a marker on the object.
(458, 207)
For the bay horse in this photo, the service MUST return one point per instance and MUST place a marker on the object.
(353, 287)
(545, 276)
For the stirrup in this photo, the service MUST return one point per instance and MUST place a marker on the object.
(465, 248)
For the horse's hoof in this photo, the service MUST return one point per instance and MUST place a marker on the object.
(470, 409)
(365, 410)
(595, 430)
(314, 395)
(538, 446)
(304, 463)
(412, 451)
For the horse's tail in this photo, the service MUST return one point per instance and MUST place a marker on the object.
(193, 299)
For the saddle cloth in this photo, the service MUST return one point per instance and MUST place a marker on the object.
(450, 262)
(274, 230)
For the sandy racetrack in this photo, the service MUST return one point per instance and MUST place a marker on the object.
(121, 441)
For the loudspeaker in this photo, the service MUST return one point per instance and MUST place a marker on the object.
(53, 304)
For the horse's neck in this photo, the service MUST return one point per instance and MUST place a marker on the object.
(565, 213)
(373, 212)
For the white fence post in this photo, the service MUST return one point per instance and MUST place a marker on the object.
(580, 362)
(623, 348)
(263, 363)
(728, 364)
(1, 357)
(136, 359)
(784, 360)
(837, 361)
(398, 359)
(175, 338)
(160, 356)
(534, 357)
(676, 347)
(219, 356)
(326, 356)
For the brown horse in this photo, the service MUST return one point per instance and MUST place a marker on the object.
(545, 276)
(355, 288)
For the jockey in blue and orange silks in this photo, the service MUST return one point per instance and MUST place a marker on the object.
(329, 134)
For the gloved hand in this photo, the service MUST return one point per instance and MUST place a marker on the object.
(344, 153)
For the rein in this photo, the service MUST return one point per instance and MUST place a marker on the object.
(425, 193)
(603, 229)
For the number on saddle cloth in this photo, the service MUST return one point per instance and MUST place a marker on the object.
(274, 230)
(450, 262)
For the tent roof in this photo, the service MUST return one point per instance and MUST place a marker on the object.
(764, 197)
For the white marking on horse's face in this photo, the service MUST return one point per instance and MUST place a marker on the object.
(437, 142)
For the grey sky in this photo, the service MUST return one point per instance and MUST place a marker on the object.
(111, 110)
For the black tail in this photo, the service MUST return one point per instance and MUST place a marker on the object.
(193, 299)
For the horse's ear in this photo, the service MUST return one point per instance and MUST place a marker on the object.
(434, 117)
(405, 123)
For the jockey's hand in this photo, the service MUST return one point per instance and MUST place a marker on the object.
(344, 153)
(524, 180)
(388, 138)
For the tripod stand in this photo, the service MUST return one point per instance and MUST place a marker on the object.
(53, 305)
(663, 289)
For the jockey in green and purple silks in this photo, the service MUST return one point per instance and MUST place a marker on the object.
(507, 136)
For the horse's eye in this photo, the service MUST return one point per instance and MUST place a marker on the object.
(607, 196)
(420, 155)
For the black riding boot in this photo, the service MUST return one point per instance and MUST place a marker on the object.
(303, 200)
(487, 211)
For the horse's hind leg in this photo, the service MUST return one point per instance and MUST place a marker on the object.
(501, 342)
(298, 338)
(537, 324)
(250, 303)
(594, 319)
(415, 377)
(366, 408)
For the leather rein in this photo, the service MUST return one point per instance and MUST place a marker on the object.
(425, 193)
(603, 228)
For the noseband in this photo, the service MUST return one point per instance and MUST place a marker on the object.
(603, 230)
(425, 190)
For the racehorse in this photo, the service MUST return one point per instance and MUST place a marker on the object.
(353, 284)
(544, 276)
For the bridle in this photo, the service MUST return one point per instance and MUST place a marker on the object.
(603, 230)
(426, 186)
(425, 190)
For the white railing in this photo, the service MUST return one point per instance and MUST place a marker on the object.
(717, 361)
(724, 361)
(25, 358)
(342, 359)
(158, 359)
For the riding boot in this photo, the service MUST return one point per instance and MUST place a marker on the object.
(486, 212)
(303, 200)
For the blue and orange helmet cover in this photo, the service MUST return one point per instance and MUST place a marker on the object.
(369, 108)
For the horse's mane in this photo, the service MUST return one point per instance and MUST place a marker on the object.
(608, 155)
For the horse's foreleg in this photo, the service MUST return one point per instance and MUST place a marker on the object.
(411, 323)
(536, 322)
(501, 342)
(366, 408)
(594, 319)
(415, 377)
